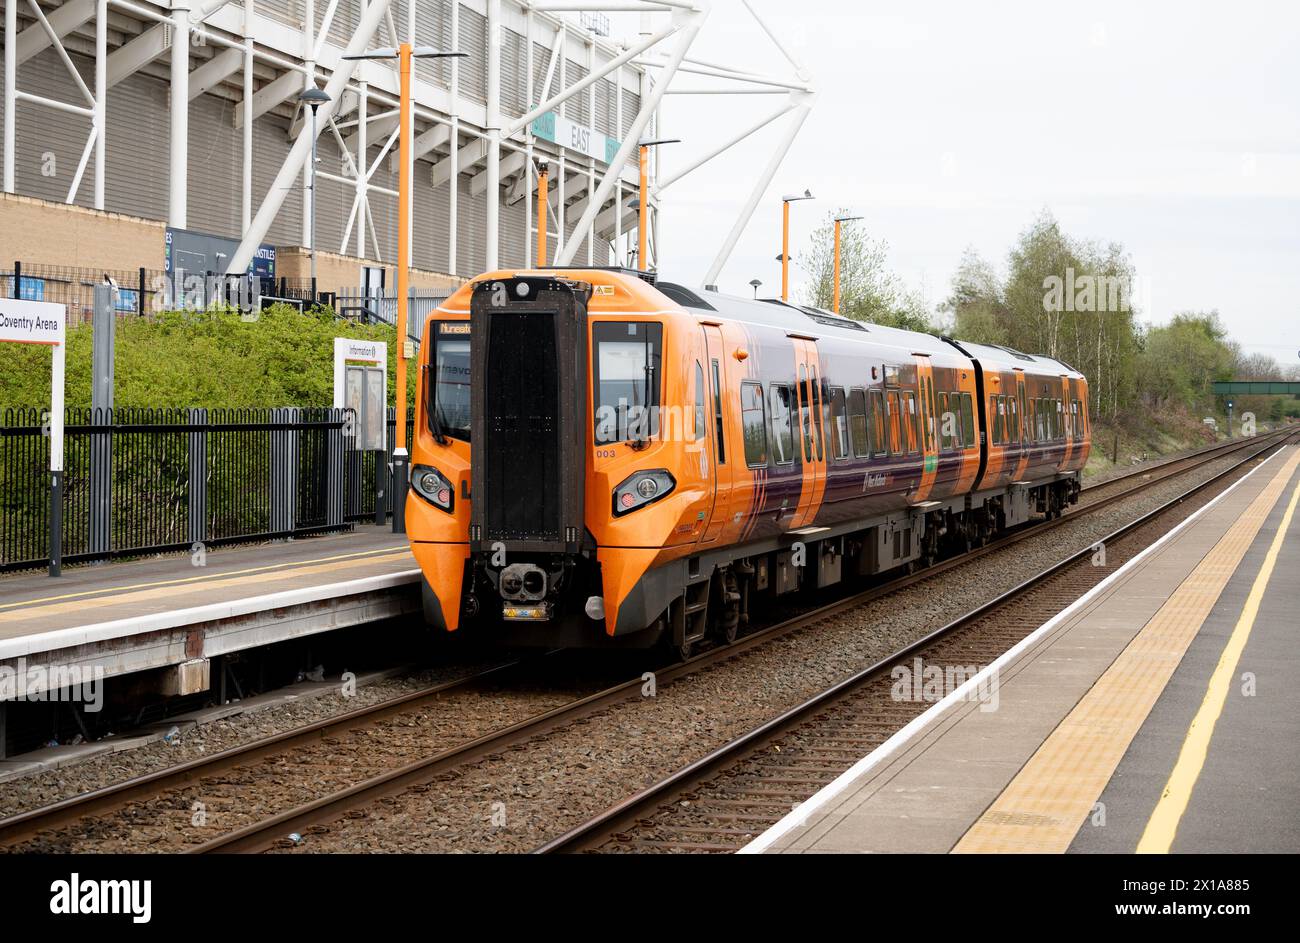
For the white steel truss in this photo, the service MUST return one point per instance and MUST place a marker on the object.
(278, 60)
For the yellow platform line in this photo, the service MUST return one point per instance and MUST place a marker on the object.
(1158, 837)
(37, 611)
(1047, 802)
(270, 567)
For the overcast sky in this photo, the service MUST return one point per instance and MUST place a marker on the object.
(1172, 128)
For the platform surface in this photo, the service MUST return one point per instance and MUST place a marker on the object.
(132, 616)
(1156, 714)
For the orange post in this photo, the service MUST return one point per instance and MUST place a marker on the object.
(403, 286)
(403, 238)
(785, 250)
(836, 306)
(541, 214)
(641, 231)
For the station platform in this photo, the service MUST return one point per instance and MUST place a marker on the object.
(1159, 713)
(164, 612)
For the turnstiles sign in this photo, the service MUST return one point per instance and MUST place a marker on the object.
(361, 388)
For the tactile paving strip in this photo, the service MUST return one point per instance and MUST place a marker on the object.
(1042, 809)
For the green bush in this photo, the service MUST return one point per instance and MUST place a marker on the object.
(209, 358)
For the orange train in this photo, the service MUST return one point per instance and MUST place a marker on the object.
(648, 462)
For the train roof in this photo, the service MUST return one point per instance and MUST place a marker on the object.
(1008, 358)
(803, 319)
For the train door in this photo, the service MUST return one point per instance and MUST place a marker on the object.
(809, 430)
(1019, 402)
(929, 434)
(1067, 424)
(722, 453)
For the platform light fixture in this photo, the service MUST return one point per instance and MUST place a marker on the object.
(838, 220)
(643, 199)
(313, 98)
(785, 238)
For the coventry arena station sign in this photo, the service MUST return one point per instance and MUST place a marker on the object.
(40, 322)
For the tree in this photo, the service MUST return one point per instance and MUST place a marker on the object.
(977, 303)
(869, 291)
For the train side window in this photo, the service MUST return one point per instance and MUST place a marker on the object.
(782, 398)
(894, 413)
(876, 422)
(995, 421)
(697, 429)
(839, 432)
(858, 423)
(912, 421)
(968, 421)
(1013, 420)
(1040, 413)
(717, 413)
(753, 419)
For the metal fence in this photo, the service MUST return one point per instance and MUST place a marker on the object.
(141, 481)
(382, 309)
(75, 288)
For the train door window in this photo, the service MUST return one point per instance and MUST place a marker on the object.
(1023, 417)
(753, 420)
(815, 389)
(968, 421)
(927, 406)
(698, 427)
(1013, 420)
(717, 413)
(945, 438)
(894, 413)
(1040, 433)
(995, 421)
(839, 432)
(805, 413)
(783, 403)
(876, 422)
(858, 423)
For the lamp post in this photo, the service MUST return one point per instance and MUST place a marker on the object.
(543, 175)
(643, 218)
(405, 349)
(754, 283)
(313, 98)
(785, 239)
(838, 220)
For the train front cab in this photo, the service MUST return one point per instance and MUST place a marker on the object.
(588, 419)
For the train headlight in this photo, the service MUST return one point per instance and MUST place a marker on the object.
(642, 488)
(433, 486)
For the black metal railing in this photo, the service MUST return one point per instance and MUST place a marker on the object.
(140, 481)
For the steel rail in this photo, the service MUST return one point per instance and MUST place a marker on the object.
(273, 830)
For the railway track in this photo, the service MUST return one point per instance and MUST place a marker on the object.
(319, 744)
(724, 800)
